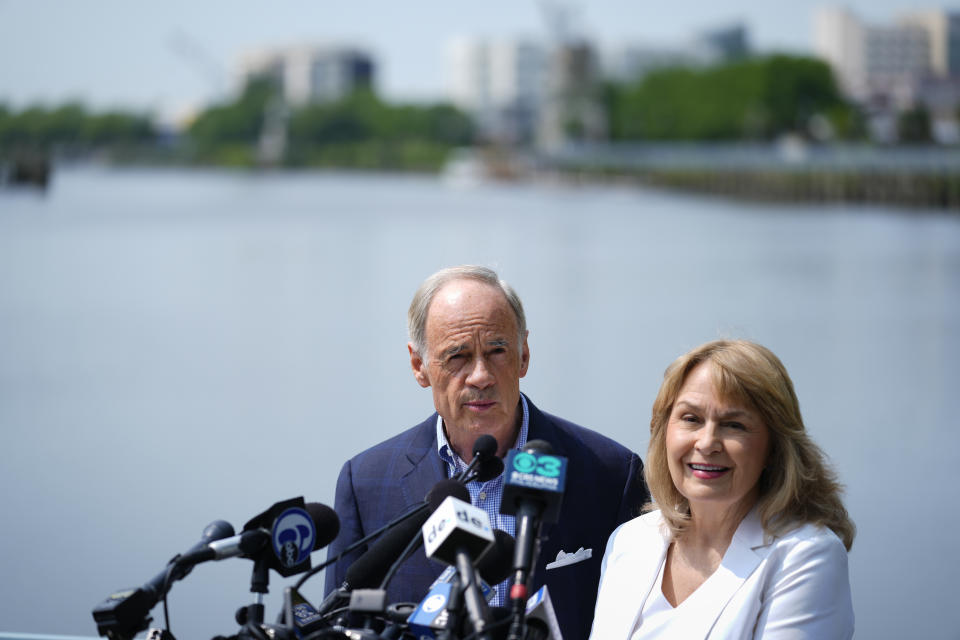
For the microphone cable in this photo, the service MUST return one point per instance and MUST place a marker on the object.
(411, 511)
(412, 546)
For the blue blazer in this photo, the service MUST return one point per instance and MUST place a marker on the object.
(604, 488)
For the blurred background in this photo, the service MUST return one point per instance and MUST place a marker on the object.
(213, 217)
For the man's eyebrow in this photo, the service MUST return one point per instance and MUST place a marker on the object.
(499, 342)
(454, 350)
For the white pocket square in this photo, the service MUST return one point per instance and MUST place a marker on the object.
(564, 559)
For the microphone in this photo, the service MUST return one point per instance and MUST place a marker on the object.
(295, 530)
(455, 534)
(484, 448)
(124, 613)
(493, 567)
(487, 470)
(532, 492)
(294, 533)
(431, 615)
(496, 564)
(541, 618)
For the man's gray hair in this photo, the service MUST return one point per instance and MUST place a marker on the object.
(417, 314)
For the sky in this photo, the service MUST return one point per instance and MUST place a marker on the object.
(169, 57)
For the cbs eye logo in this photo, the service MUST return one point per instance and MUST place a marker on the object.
(547, 466)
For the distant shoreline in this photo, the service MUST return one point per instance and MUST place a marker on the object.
(910, 189)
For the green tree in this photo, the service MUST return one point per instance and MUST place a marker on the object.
(236, 122)
(755, 98)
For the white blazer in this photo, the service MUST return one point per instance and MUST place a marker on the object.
(793, 587)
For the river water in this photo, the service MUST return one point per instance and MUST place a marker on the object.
(182, 346)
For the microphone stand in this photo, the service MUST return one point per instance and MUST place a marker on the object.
(476, 605)
(453, 608)
(525, 557)
(251, 617)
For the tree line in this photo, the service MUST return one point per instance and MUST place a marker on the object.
(359, 130)
(751, 99)
(71, 127)
(757, 98)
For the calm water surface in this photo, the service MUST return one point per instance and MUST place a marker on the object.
(178, 347)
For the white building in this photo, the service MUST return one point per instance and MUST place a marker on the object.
(892, 68)
(499, 83)
(943, 34)
(888, 61)
(873, 64)
(311, 73)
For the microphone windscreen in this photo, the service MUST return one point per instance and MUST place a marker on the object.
(370, 568)
(217, 530)
(496, 565)
(489, 468)
(538, 446)
(443, 490)
(326, 521)
(485, 446)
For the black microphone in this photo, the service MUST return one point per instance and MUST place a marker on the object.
(484, 448)
(496, 564)
(487, 470)
(124, 613)
(532, 492)
(294, 533)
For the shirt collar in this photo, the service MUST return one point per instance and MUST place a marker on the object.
(454, 463)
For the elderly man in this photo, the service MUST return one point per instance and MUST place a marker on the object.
(468, 344)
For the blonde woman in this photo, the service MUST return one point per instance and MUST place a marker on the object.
(749, 538)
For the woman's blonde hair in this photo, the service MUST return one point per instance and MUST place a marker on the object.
(797, 486)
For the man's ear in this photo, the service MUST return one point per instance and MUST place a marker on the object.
(419, 367)
(524, 356)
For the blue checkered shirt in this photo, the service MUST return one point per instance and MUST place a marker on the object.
(486, 495)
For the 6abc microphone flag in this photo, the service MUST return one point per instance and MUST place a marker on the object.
(452, 531)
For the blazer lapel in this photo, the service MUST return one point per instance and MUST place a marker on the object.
(419, 471)
(712, 597)
(646, 565)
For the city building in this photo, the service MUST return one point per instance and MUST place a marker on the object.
(500, 83)
(889, 69)
(311, 73)
(873, 64)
